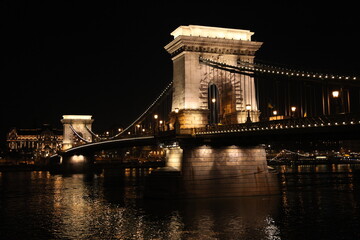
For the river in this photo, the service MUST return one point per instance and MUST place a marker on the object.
(317, 202)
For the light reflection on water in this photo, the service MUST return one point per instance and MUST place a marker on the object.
(37, 205)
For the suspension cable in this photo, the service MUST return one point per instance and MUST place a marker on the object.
(244, 66)
(164, 92)
(78, 135)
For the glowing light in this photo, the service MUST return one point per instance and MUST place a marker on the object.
(77, 158)
(213, 100)
(156, 116)
(77, 117)
(176, 110)
(293, 108)
(248, 107)
(335, 93)
(212, 32)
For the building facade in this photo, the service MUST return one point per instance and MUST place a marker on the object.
(35, 143)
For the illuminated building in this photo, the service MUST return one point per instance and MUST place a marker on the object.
(33, 143)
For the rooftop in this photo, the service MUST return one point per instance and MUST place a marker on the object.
(212, 32)
(77, 117)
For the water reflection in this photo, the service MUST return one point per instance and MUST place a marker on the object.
(319, 202)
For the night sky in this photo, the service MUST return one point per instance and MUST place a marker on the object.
(107, 58)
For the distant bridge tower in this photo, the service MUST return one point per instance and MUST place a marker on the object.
(204, 94)
(81, 124)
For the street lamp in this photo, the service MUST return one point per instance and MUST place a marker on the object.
(293, 109)
(155, 123)
(248, 108)
(275, 112)
(161, 125)
(335, 94)
(176, 125)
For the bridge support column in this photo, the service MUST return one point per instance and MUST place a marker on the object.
(214, 171)
(221, 171)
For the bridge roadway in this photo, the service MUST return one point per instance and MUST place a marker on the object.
(335, 127)
(327, 127)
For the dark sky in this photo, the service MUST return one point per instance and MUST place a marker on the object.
(107, 58)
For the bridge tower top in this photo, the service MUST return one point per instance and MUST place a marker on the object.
(213, 32)
(203, 94)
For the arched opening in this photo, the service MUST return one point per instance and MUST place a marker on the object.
(213, 103)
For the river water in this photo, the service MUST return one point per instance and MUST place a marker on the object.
(317, 202)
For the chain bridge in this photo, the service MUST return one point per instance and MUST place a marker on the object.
(221, 107)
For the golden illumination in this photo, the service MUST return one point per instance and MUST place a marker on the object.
(77, 117)
(335, 94)
(156, 116)
(212, 32)
(77, 158)
(275, 112)
(248, 107)
(213, 100)
(293, 108)
(176, 110)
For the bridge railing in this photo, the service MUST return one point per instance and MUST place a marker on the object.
(306, 122)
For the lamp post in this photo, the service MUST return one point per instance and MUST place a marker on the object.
(274, 112)
(335, 94)
(177, 123)
(248, 108)
(161, 128)
(293, 110)
(155, 123)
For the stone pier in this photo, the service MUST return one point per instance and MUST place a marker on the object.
(226, 171)
(214, 171)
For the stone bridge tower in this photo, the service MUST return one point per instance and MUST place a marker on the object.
(81, 124)
(198, 86)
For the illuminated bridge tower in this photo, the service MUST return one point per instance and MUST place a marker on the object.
(76, 130)
(203, 94)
